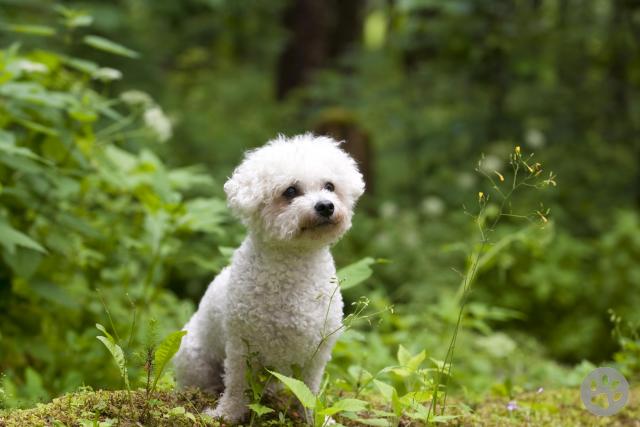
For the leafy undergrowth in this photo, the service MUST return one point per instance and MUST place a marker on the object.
(113, 408)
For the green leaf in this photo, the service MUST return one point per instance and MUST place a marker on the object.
(10, 238)
(396, 403)
(440, 364)
(409, 364)
(83, 114)
(23, 262)
(118, 357)
(80, 64)
(37, 127)
(21, 164)
(106, 45)
(165, 352)
(346, 405)
(52, 292)
(35, 93)
(385, 389)
(260, 409)
(299, 389)
(178, 410)
(415, 361)
(189, 177)
(35, 30)
(203, 215)
(356, 273)
(104, 331)
(403, 355)
(8, 146)
(416, 396)
(74, 18)
(359, 374)
(391, 395)
(227, 251)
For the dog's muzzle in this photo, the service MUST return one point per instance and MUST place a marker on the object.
(324, 208)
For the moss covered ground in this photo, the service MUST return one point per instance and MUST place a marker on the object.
(560, 407)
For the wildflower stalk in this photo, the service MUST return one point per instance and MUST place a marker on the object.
(360, 306)
(532, 179)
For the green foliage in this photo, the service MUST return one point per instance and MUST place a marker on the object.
(108, 46)
(525, 173)
(116, 352)
(118, 357)
(564, 286)
(356, 273)
(628, 335)
(299, 389)
(85, 204)
(90, 197)
(317, 403)
(157, 358)
(260, 410)
(164, 353)
(104, 408)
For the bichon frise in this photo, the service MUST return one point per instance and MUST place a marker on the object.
(279, 299)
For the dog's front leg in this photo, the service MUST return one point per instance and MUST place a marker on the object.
(314, 369)
(312, 377)
(232, 405)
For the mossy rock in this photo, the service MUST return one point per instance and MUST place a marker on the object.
(115, 408)
(560, 407)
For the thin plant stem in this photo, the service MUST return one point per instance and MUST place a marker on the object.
(468, 278)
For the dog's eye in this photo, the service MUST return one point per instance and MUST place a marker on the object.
(290, 192)
(329, 186)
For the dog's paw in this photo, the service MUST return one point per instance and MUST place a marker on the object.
(328, 421)
(232, 415)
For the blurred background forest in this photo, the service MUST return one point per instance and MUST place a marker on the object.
(120, 121)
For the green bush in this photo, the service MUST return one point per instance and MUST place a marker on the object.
(564, 286)
(90, 220)
(88, 201)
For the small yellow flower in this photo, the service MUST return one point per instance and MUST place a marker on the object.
(518, 149)
(551, 180)
(500, 177)
(544, 218)
(537, 168)
(480, 196)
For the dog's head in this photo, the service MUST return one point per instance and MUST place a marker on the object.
(299, 191)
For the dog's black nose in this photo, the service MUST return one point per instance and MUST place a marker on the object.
(324, 208)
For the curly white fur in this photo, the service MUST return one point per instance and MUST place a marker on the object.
(279, 298)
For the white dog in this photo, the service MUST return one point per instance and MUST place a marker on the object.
(279, 298)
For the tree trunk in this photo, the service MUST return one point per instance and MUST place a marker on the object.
(319, 31)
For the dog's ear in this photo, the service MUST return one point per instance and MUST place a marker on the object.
(242, 191)
(351, 176)
(356, 181)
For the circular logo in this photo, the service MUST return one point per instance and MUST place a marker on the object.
(608, 382)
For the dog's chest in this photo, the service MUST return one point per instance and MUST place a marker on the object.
(285, 308)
